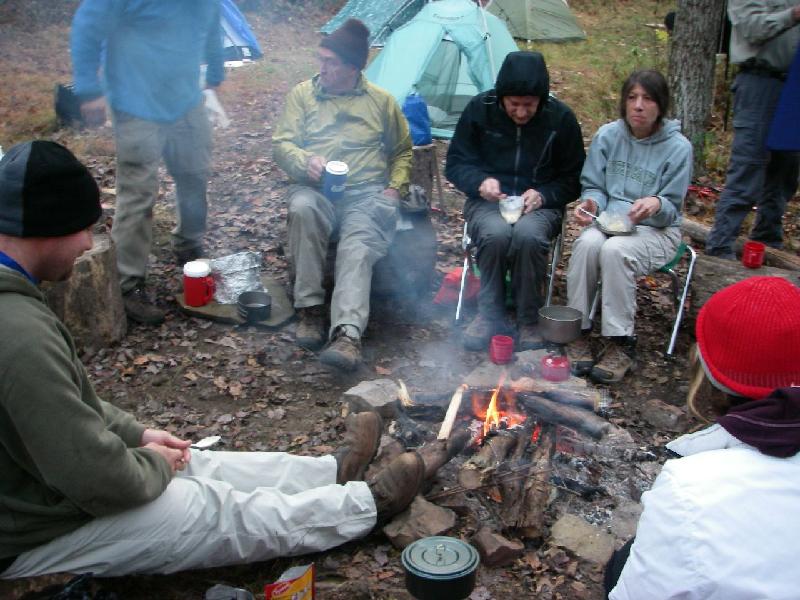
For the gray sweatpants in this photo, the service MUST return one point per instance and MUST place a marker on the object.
(756, 176)
(186, 148)
(522, 247)
(363, 224)
(619, 261)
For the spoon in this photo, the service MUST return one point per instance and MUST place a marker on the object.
(586, 212)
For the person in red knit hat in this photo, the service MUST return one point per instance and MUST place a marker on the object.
(720, 522)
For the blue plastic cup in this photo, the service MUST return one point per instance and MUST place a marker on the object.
(335, 180)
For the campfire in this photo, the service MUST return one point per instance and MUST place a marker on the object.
(511, 432)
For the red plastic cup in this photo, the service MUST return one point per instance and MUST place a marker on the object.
(753, 254)
(555, 368)
(501, 349)
(198, 285)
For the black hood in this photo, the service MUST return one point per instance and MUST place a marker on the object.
(523, 74)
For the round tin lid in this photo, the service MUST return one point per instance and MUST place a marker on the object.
(440, 557)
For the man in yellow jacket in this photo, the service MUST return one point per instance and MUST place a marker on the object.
(339, 116)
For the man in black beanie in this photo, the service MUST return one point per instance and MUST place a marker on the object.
(339, 116)
(84, 487)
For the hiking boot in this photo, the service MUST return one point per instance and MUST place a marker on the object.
(478, 333)
(361, 439)
(140, 308)
(344, 352)
(530, 338)
(580, 356)
(395, 486)
(185, 255)
(615, 361)
(310, 333)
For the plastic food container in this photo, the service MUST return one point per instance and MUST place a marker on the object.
(440, 568)
(555, 368)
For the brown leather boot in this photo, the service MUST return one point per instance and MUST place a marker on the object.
(344, 352)
(394, 487)
(361, 439)
(580, 356)
(616, 360)
(140, 308)
(310, 333)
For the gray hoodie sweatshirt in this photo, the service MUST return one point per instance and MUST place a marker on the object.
(620, 169)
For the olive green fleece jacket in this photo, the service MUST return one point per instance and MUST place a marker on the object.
(364, 128)
(65, 455)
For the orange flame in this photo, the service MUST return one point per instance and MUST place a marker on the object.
(501, 409)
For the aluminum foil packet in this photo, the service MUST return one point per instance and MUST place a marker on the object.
(236, 273)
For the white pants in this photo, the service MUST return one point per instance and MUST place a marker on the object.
(225, 508)
(619, 261)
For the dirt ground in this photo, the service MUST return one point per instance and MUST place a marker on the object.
(258, 390)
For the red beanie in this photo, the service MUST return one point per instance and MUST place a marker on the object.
(748, 335)
(350, 42)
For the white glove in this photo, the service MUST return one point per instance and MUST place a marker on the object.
(216, 114)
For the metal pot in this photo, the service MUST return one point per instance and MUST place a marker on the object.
(440, 568)
(254, 306)
(560, 324)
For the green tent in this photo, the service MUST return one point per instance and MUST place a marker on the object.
(381, 17)
(447, 53)
(538, 20)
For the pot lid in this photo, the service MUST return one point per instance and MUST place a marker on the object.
(440, 557)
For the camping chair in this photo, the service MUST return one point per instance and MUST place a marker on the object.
(678, 296)
(556, 248)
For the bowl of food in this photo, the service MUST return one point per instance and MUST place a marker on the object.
(560, 324)
(254, 306)
(615, 224)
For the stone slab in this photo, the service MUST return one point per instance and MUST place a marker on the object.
(282, 309)
(583, 539)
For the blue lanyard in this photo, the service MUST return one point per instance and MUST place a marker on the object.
(6, 260)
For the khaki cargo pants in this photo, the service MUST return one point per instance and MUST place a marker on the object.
(363, 224)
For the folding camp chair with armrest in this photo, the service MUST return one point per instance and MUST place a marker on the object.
(678, 296)
(556, 248)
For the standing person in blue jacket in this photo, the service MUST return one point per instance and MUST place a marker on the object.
(638, 167)
(150, 54)
(514, 140)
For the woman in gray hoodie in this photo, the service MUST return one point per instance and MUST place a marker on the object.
(637, 171)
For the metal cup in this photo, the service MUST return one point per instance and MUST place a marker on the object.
(334, 180)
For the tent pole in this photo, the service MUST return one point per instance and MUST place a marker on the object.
(486, 40)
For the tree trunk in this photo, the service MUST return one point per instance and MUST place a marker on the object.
(692, 59)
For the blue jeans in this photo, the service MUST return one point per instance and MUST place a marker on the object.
(756, 176)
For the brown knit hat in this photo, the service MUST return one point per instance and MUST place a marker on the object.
(350, 42)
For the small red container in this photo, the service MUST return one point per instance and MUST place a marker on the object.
(501, 349)
(555, 368)
(198, 285)
(753, 254)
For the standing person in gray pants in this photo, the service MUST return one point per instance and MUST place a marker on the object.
(150, 53)
(340, 116)
(763, 42)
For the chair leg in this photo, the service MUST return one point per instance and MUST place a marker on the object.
(595, 301)
(679, 315)
(556, 252)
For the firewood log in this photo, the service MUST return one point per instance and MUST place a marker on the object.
(553, 412)
(475, 471)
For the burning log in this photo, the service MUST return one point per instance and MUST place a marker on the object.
(523, 509)
(586, 398)
(450, 415)
(480, 466)
(576, 418)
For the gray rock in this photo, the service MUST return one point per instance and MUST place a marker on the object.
(624, 520)
(663, 416)
(421, 519)
(379, 395)
(582, 539)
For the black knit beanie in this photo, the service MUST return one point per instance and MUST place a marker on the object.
(45, 192)
(350, 42)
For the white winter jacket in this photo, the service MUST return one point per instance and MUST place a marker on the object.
(721, 523)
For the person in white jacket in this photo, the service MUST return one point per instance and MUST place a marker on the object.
(637, 172)
(721, 523)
